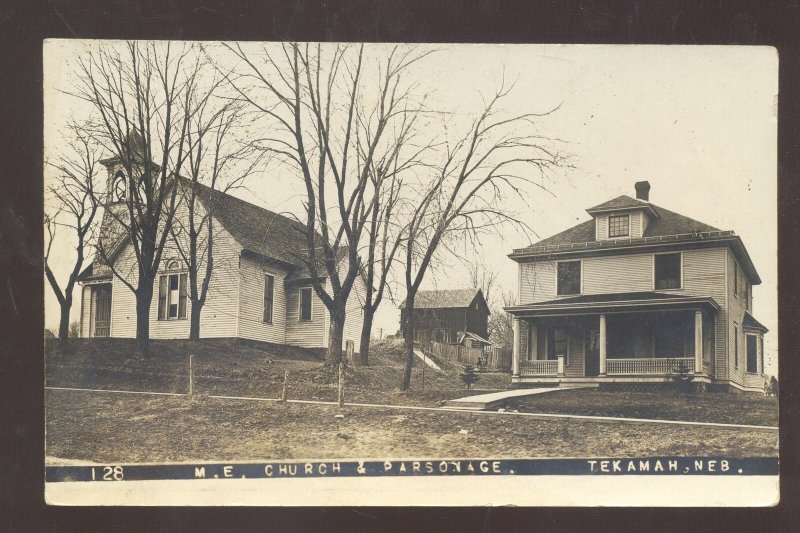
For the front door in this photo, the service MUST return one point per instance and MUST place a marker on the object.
(592, 345)
(102, 315)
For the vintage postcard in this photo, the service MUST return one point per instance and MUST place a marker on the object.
(290, 273)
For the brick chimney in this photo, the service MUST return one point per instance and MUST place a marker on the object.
(643, 190)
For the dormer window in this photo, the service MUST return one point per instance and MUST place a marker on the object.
(619, 225)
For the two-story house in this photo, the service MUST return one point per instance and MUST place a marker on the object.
(637, 294)
(260, 287)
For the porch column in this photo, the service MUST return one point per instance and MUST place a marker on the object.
(517, 341)
(602, 345)
(698, 342)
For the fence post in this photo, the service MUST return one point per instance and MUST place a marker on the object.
(191, 375)
(341, 385)
(285, 382)
(560, 365)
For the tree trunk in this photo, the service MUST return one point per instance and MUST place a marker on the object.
(336, 336)
(194, 320)
(408, 335)
(63, 325)
(366, 334)
(144, 297)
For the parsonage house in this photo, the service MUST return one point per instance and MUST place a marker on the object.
(260, 287)
(456, 316)
(637, 294)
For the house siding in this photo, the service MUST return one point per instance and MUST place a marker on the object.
(86, 308)
(354, 320)
(252, 275)
(736, 308)
(311, 334)
(219, 314)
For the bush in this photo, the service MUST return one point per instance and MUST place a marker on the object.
(468, 376)
(683, 376)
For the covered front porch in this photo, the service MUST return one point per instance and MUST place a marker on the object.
(573, 340)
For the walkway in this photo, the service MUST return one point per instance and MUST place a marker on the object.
(427, 360)
(482, 402)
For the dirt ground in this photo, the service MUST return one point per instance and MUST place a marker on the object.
(103, 427)
(229, 368)
(727, 408)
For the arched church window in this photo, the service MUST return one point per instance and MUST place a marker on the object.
(172, 264)
(119, 187)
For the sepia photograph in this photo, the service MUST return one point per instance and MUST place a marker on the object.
(302, 273)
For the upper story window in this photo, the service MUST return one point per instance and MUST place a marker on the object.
(305, 304)
(668, 271)
(569, 277)
(619, 225)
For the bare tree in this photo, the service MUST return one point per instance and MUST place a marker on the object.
(142, 97)
(217, 163)
(337, 118)
(74, 208)
(482, 277)
(499, 156)
(501, 331)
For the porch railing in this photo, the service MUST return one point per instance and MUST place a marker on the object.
(648, 366)
(539, 367)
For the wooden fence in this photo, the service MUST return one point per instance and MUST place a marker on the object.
(489, 358)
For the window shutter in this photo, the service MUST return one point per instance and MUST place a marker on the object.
(162, 298)
(182, 297)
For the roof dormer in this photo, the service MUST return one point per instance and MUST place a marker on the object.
(624, 217)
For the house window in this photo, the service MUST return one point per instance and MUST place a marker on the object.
(172, 297)
(735, 345)
(752, 354)
(569, 277)
(558, 344)
(269, 294)
(761, 361)
(736, 280)
(619, 225)
(668, 271)
(305, 304)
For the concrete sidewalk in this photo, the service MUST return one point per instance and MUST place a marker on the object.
(482, 402)
(427, 360)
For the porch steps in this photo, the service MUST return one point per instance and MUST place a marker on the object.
(484, 402)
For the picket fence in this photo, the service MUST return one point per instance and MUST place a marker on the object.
(488, 358)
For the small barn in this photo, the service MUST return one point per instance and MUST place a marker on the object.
(446, 316)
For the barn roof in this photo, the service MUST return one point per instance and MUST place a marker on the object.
(444, 299)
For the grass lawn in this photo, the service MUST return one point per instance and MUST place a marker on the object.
(115, 428)
(229, 368)
(728, 408)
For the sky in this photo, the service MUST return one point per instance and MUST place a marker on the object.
(698, 123)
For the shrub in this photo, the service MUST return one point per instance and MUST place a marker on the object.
(683, 376)
(468, 376)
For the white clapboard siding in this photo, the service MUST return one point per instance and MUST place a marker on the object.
(736, 309)
(86, 308)
(354, 320)
(629, 273)
(601, 227)
(704, 275)
(251, 304)
(219, 315)
(309, 334)
(537, 282)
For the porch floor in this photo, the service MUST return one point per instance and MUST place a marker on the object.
(482, 402)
